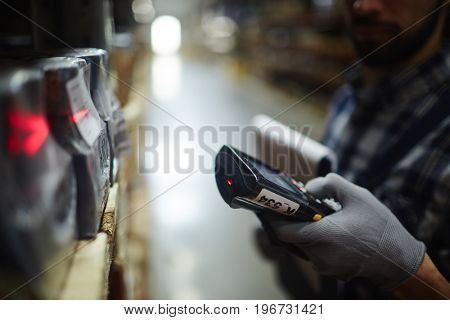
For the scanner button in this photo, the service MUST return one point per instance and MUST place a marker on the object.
(317, 217)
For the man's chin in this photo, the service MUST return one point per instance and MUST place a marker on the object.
(377, 51)
(374, 54)
(380, 60)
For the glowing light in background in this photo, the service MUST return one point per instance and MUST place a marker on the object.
(143, 11)
(166, 76)
(166, 35)
(181, 208)
(220, 32)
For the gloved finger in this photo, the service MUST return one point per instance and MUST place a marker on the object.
(274, 238)
(271, 221)
(287, 229)
(317, 187)
(332, 186)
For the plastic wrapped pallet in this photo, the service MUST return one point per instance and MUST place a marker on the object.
(290, 151)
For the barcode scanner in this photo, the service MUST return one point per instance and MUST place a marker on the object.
(245, 182)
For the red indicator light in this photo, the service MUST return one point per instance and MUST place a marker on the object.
(28, 132)
(229, 182)
(76, 117)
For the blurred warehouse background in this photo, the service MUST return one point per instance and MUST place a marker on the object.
(94, 215)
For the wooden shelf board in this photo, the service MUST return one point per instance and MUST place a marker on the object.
(88, 275)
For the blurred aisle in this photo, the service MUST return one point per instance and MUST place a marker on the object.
(200, 248)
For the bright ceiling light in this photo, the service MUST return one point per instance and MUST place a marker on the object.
(166, 35)
(143, 11)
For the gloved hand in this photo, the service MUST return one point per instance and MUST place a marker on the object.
(363, 240)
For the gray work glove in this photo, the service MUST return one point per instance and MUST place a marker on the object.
(363, 240)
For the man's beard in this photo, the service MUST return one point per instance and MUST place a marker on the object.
(399, 48)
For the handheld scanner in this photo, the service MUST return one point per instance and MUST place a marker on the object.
(245, 182)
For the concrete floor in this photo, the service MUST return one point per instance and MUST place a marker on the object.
(201, 248)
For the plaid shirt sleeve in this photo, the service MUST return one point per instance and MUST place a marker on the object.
(417, 189)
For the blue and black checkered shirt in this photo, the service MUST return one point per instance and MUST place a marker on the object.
(376, 122)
